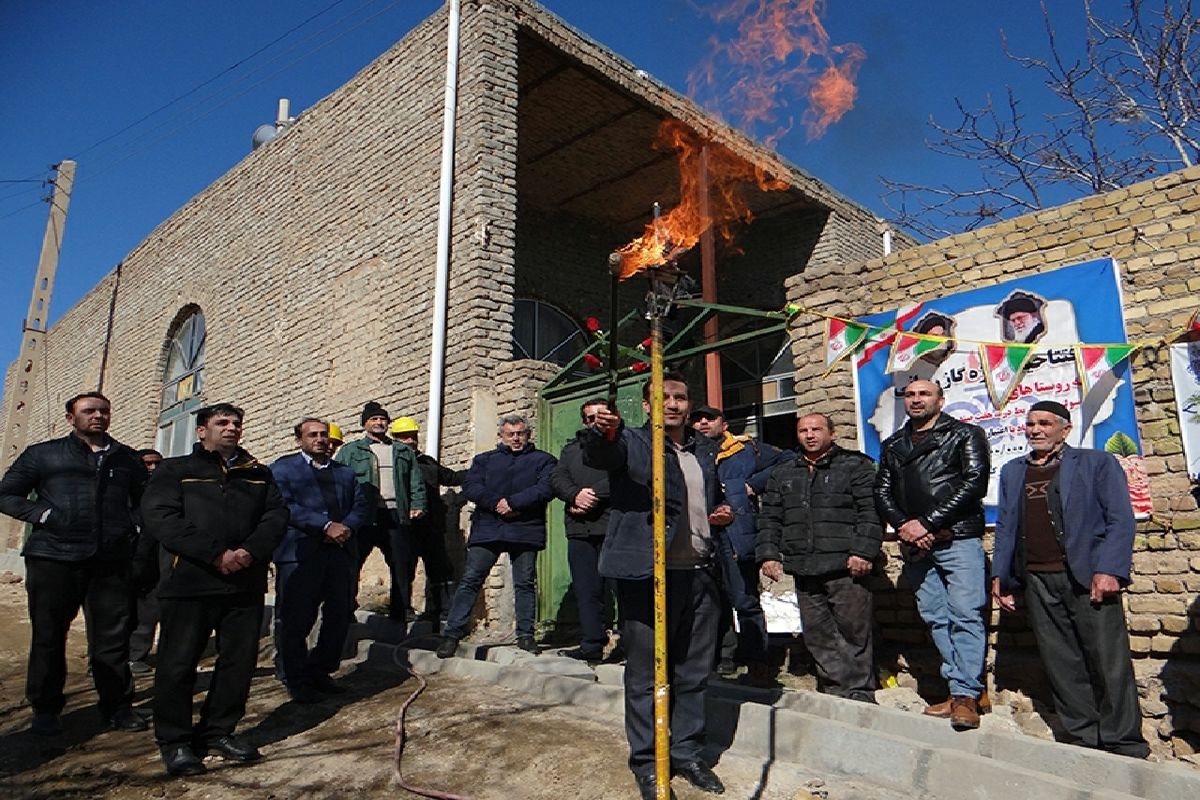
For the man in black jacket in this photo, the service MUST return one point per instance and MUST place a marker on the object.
(78, 553)
(694, 506)
(818, 523)
(933, 475)
(219, 516)
(584, 490)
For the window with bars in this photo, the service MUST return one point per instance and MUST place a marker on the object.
(182, 387)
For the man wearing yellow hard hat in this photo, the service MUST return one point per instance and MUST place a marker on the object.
(429, 532)
(336, 439)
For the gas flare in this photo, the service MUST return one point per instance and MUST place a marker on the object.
(781, 55)
(679, 230)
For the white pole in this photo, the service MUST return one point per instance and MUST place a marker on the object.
(441, 290)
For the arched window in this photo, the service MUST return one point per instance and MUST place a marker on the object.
(183, 383)
(543, 332)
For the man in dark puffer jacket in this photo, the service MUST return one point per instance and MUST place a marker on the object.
(88, 486)
(818, 524)
(219, 516)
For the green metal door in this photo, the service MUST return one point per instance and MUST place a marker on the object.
(558, 420)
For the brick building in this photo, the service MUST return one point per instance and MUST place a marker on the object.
(1153, 230)
(301, 281)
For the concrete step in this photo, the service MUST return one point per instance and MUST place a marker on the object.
(897, 751)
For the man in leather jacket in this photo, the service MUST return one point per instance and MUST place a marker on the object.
(78, 553)
(932, 478)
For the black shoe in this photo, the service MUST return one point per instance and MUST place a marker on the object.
(699, 775)
(126, 719)
(303, 694)
(527, 644)
(646, 785)
(232, 748)
(448, 647)
(327, 685)
(46, 723)
(580, 654)
(180, 759)
(727, 668)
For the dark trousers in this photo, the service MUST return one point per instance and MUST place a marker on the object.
(145, 622)
(739, 580)
(57, 590)
(479, 562)
(836, 611)
(428, 543)
(186, 624)
(693, 614)
(324, 583)
(1085, 649)
(591, 591)
(391, 535)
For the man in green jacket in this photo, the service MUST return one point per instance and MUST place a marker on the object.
(391, 478)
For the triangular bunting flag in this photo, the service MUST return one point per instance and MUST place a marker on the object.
(880, 338)
(908, 347)
(842, 337)
(1002, 368)
(1097, 360)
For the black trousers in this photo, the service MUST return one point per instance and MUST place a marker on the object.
(427, 541)
(56, 591)
(392, 536)
(693, 614)
(837, 613)
(323, 582)
(145, 622)
(1085, 649)
(591, 591)
(186, 624)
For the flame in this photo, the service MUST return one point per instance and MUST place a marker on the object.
(781, 53)
(680, 229)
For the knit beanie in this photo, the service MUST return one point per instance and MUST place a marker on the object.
(373, 409)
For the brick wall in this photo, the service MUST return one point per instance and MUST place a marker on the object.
(1153, 230)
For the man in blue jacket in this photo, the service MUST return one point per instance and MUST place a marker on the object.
(317, 561)
(510, 487)
(694, 507)
(744, 465)
(1065, 535)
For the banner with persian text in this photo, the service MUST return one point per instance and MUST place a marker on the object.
(1053, 312)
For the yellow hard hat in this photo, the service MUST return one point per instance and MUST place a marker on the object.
(403, 425)
(335, 433)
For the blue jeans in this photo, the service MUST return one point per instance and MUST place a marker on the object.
(479, 562)
(739, 580)
(951, 586)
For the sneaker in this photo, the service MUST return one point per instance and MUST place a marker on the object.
(448, 647)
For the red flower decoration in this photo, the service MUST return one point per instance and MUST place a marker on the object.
(645, 345)
(592, 361)
(640, 366)
(592, 324)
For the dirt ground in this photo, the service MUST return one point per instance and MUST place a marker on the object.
(469, 738)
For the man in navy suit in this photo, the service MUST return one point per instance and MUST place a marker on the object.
(316, 564)
(1065, 535)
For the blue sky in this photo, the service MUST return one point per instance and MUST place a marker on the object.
(76, 77)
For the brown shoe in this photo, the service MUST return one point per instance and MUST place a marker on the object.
(942, 710)
(964, 714)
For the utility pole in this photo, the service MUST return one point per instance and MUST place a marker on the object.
(33, 328)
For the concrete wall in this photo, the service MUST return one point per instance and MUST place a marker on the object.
(1153, 230)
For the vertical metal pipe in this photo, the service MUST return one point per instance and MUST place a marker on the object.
(441, 290)
(662, 690)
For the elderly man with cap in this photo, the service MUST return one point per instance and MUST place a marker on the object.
(429, 531)
(1065, 536)
(387, 471)
(743, 465)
